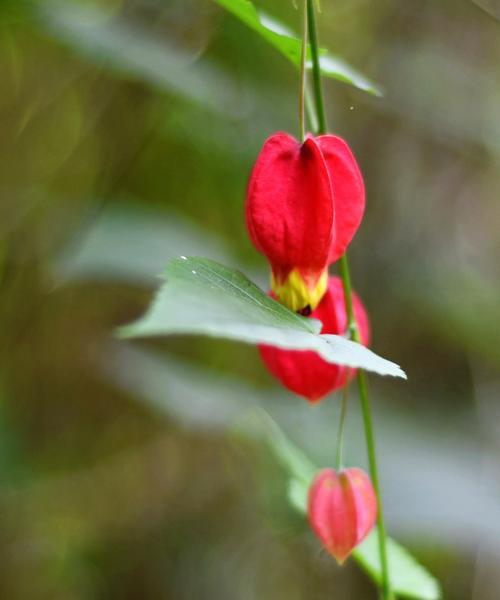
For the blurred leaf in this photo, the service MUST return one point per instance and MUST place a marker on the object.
(129, 244)
(492, 7)
(204, 297)
(280, 36)
(409, 579)
(292, 459)
(135, 52)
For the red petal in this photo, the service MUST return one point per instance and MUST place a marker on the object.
(342, 509)
(365, 500)
(305, 372)
(348, 191)
(289, 207)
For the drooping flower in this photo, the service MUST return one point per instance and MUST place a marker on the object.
(342, 509)
(304, 204)
(305, 372)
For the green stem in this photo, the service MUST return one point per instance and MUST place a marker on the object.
(352, 325)
(302, 91)
(340, 437)
(369, 432)
(318, 90)
(310, 112)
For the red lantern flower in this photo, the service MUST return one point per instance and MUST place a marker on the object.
(304, 205)
(342, 509)
(305, 372)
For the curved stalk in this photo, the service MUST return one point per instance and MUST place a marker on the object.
(352, 325)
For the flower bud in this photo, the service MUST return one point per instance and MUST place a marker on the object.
(304, 204)
(304, 372)
(342, 509)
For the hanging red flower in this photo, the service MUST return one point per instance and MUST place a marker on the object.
(304, 204)
(342, 509)
(305, 372)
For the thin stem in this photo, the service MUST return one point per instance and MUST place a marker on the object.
(302, 92)
(318, 90)
(352, 325)
(369, 433)
(387, 593)
(310, 112)
(340, 437)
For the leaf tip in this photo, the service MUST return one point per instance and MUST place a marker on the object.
(402, 374)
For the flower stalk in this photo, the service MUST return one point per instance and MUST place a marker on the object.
(339, 461)
(352, 325)
(302, 92)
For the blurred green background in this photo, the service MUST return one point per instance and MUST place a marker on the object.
(127, 131)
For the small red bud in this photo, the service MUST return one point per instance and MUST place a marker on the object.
(342, 509)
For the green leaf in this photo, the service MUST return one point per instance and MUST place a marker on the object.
(206, 298)
(408, 578)
(260, 423)
(286, 42)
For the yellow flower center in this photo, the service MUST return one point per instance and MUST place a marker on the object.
(300, 291)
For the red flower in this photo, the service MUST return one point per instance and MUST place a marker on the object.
(304, 205)
(342, 509)
(305, 372)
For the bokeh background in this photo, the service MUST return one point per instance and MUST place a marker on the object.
(127, 131)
